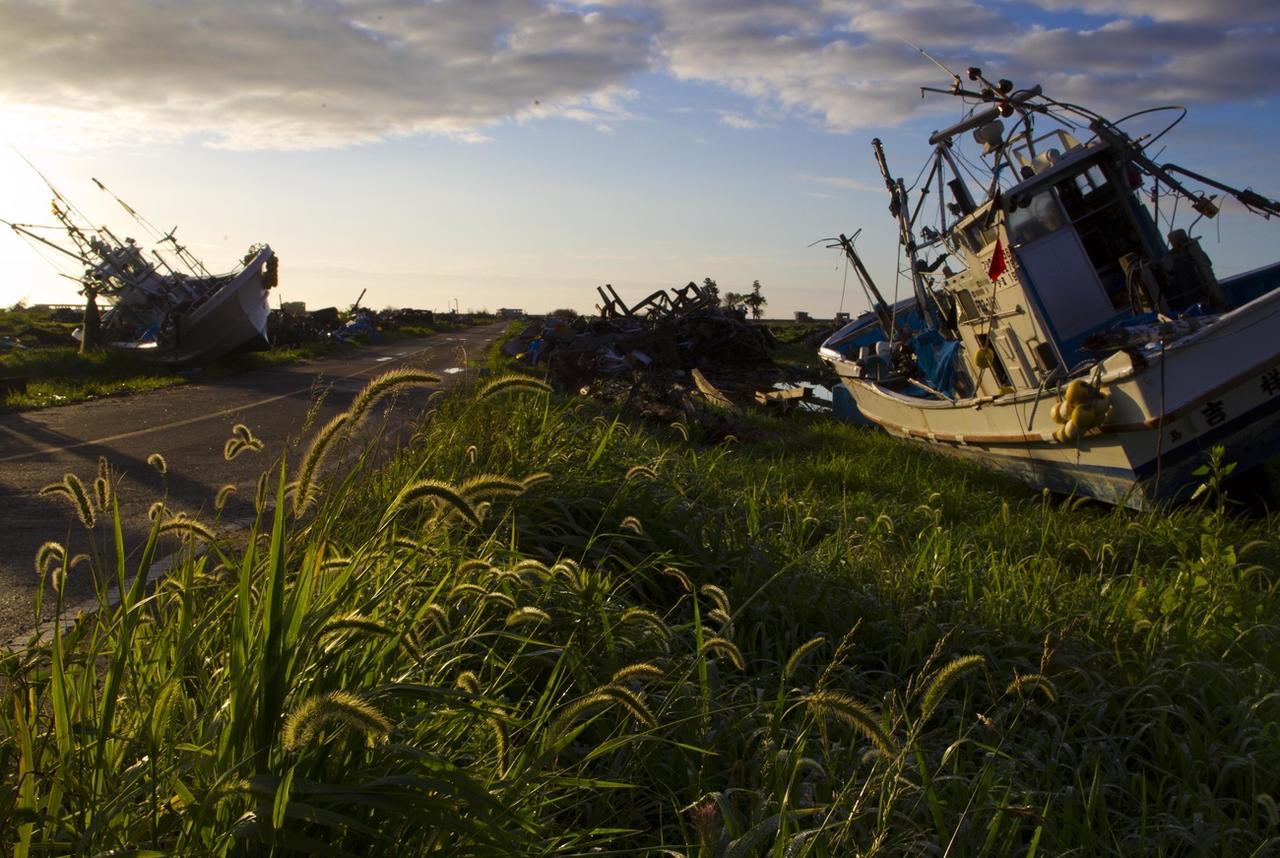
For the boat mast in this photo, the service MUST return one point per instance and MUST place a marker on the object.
(879, 305)
(193, 263)
(898, 207)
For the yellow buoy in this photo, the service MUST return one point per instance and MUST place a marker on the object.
(1079, 392)
(1084, 416)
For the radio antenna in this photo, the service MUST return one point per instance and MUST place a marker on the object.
(931, 58)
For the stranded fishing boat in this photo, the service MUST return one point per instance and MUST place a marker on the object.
(1058, 336)
(170, 309)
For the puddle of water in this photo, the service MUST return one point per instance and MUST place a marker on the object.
(454, 370)
(383, 359)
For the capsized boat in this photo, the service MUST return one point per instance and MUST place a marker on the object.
(167, 308)
(1059, 335)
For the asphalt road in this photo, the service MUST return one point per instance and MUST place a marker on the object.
(188, 425)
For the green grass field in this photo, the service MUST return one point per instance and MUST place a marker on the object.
(542, 630)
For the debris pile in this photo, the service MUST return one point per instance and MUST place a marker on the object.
(661, 355)
(287, 328)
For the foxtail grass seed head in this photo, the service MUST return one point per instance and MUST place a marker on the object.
(488, 485)
(501, 599)
(681, 577)
(535, 479)
(473, 566)
(354, 622)
(57, 489)
(314, 458)
(641, 672)
(641, 471)
(243, 432)
(720, 618)
(468, 681)
(727, 648)
(104, 469)
(463, 591)
(842, 707)
(632, 702)
(234, 447)
(437, 490)
(512, 382)
(410, 545)
(49, 554)
(158, 462)
(530, 568)
(384, 384)
(338, 708)
(224, 495)
(500, 743)
(801, 651)
(437, 616)
(472, 452)
(648, 619)
(102, 492)
(717, 596)
(527, 616)
(156, 510)
(1026, 684)
(632, 524)
(188, 527)
(946, 678)
(575, 712)
(80, 497)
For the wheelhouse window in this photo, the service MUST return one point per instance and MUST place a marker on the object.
(1035, 217)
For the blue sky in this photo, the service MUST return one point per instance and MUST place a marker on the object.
(521, 152)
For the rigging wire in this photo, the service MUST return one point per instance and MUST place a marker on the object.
(844, 283)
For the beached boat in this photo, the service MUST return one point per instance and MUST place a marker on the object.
(167, 308)
(1058, 335)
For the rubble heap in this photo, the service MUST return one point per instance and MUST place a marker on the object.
(648, 354)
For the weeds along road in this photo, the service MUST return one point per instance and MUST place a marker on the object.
(188, 425)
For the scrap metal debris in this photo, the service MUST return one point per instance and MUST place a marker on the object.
(676, 355)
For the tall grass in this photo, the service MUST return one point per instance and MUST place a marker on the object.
(827, 647)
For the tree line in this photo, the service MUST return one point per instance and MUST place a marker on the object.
(753, 302)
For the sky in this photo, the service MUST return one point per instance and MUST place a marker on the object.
(519, 153)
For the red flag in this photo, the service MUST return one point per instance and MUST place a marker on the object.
(997, 266)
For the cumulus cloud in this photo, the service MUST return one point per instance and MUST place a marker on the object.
(317, 73)
(285, 74)
(1171, 10)
(849, 64)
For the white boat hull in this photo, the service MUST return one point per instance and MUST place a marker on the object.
(233, 316)
(1217, 386)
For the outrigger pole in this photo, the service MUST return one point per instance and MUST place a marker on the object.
(21, 230)
(196, 266)
(898, 205)
(882, 309)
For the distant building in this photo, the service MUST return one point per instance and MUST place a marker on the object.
(842, 318)
(294, 308)
(510, 313)
(802, 316)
